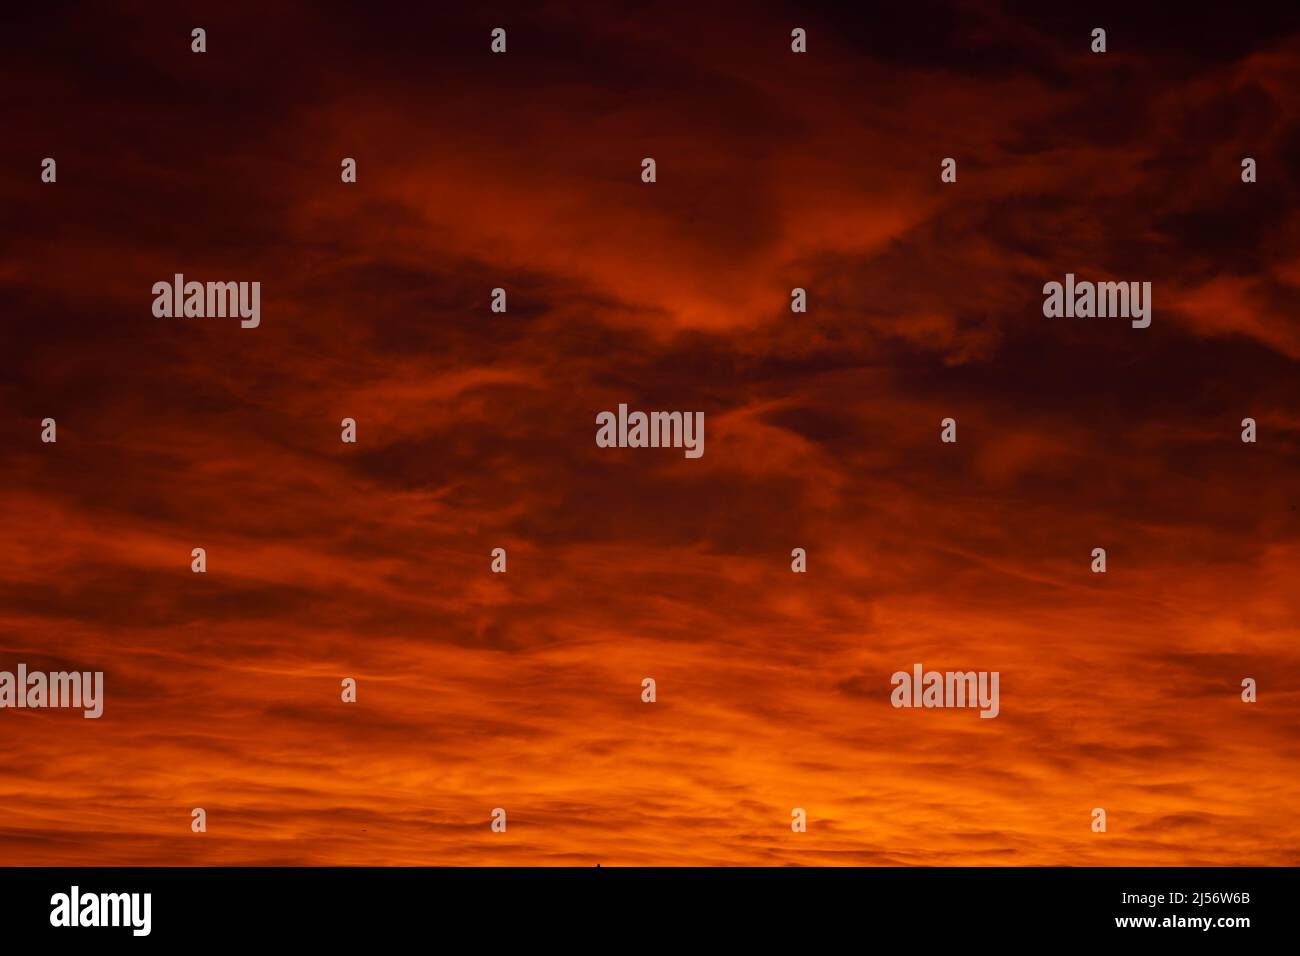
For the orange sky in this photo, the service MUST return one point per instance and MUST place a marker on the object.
(476, 430)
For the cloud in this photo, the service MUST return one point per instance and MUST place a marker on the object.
(475, 431)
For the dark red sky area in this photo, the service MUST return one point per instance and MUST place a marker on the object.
(476, 431)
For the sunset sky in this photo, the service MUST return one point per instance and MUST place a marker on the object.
(476, 431)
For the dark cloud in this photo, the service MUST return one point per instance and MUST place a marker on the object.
(475, 431)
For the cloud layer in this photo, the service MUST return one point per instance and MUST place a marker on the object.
(476, 431)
